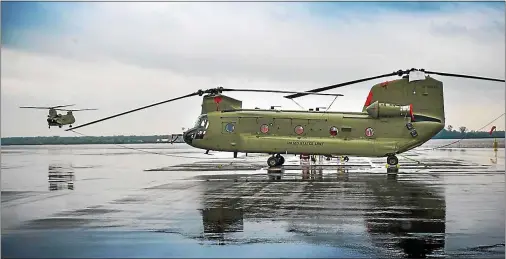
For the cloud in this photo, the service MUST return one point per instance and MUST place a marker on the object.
(120, 56)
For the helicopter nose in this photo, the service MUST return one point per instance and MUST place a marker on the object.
(188, 136)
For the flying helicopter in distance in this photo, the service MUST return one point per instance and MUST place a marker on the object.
(55, 119)
(397, 116)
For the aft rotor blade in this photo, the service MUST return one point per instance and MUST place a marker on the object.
(343, 84)
(464, 76)
(276, 91)
(134, 110)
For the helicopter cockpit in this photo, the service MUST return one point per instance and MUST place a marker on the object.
(202, 122)
(199, 129)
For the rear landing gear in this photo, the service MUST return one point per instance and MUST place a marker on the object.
(392, 160)
(392, 165)
(275, 160)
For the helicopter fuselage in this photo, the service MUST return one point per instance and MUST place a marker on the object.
(61, 119)
(397, 116)
(316, 133)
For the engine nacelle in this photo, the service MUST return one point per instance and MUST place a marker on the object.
(377, 110)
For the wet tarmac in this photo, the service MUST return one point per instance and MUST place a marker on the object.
(104, 201)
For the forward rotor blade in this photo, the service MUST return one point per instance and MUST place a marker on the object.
(38, 107)
(59, 106)
(276, 91)
(134, 110)
(463, 76)
(33, 107)
(343, 84)
(76, 110)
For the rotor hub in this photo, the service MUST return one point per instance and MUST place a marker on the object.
(211, 91)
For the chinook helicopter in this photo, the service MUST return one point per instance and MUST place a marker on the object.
(397, 116)
(55, 119)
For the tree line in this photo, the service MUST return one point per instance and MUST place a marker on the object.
(462, 132)
(56, 140)
(448, 133)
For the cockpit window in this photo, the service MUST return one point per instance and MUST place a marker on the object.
(202, 121)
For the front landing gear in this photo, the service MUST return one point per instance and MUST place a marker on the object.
(275, 160)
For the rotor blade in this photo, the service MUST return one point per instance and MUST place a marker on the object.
(75, 110)
(134, 110)
(59, 106)
(33, 107)
(276, 91)
(463, 76)
(343, 84)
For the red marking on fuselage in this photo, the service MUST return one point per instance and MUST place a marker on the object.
(384, 84)
(217, 100)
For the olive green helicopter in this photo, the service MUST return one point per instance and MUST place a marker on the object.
(397, 116)
(56, 119)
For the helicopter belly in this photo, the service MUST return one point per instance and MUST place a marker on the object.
(322, 146)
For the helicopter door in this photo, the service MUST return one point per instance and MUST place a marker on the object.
(281, 126)
(228, 130)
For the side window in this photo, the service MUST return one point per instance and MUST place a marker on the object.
(346, 129)
(346, 132)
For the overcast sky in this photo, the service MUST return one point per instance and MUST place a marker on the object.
(120, 56)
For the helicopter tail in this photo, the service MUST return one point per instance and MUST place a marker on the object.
(423, 96)
(211, 103)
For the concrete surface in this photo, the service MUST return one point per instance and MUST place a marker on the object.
(107, 201)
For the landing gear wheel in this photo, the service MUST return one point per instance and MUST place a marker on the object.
(392, 160)
(280, 160)
(59, 126)
(70, 126)
(346, 158)
(272, 161)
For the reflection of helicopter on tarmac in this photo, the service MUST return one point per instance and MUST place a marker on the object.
(220, 220)
(411, 217)
(407, 218)
(494, 160)
(60, 178)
